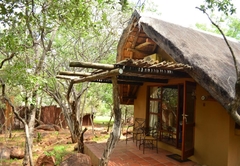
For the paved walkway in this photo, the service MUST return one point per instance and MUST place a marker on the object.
(129, 155)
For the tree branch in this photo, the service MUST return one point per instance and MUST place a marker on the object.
(6, 59)
(28, 23)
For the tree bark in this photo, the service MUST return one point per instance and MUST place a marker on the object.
(80, 142)
(115, 134)
(29, 131)
(109, 122)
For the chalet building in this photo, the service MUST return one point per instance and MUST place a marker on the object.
(185, 80)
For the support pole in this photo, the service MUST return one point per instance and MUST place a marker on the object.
(115, 134)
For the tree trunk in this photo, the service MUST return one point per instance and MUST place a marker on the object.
(125, 116)
(28, 147)
(115, 134)
(109, 122)
(28, 144)
(91, 118)
(76, 132)
(80, 142)
(29, 133)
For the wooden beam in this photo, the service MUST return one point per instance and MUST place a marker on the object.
(65, 77)
(70, 73)
(137, 51)
(129, 98)
(143, 45)
(91, 65)
(109, 81)
(101, 75)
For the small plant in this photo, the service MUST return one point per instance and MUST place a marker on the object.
(56, 133)
(39, 137)
(58, 152)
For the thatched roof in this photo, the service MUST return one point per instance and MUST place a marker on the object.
(208, 54)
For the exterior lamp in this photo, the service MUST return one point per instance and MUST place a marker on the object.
(203, 97)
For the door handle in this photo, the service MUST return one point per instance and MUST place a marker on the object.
(185, 117)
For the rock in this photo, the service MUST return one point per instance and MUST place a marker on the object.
(76, 147)
(17, 153)
(48, 127)
(77, 159)
(88, 137)
(56, 127)
(45, 160)
(104, 132)
(4, 152)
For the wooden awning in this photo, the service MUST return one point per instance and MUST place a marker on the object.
(130, 74)
(128, 71)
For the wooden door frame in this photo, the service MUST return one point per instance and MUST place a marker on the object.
(190, 152)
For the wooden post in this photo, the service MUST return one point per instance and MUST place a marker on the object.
(115, 134)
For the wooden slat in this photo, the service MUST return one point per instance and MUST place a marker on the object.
(70, 73)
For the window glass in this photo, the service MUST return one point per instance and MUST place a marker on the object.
(163, 107)
(155, 92)
(154, 106)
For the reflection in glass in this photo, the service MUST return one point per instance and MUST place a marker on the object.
(155, 92)
(154, 107)
(169, 108)
(153, 119)
(163, 105)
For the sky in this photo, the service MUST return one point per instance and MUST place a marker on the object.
(183, 12)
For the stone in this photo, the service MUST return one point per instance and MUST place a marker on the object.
(4, 152)
(45, 127)
(56, 127)
(45, 160)
(75, 147)
(77, 159)
(17, 153)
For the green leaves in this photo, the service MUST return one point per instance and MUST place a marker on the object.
(225, 6)
(233, 29)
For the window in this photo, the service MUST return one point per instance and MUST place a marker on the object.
(163, 108)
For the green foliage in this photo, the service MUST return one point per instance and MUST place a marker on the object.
(44, 36)
(231, 27)
(100, 138)
(39, 137)
(100, 98)
(58, 152)
(225, 6)
(101, 120)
